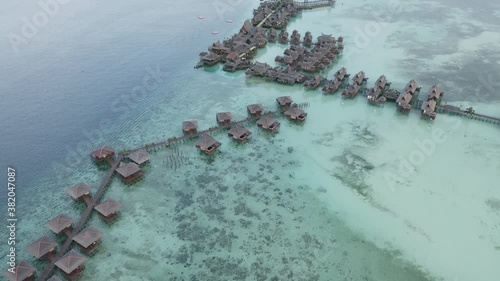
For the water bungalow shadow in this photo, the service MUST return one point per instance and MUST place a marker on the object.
(207, 144)
(71, 264)
(43, 248)
(239, 133)
(61, 223)
(129, 172)
(89, 239)
(108, 210)
(80, 191)
(23, 271)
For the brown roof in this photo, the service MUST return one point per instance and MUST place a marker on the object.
(205, 141)
(224, 116)
(71, 261)
(190, 125)
(237, 130)
(79, 190)
(429, 105)
(59, 223)
(293, 111)
(435, 92)
(266, 121)
(102, 152)
(255, 108)
(41, 247)
(127, 169)
(108, 207)
(54, 278)
(404, 98)
(22, 271)
(139, 156)
(284, 100)
(88, 236)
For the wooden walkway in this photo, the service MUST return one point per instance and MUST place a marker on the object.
(218, 128)
(83, 219)
(306, 5)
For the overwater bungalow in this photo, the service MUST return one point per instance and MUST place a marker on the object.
(129, 172)
(247, 27)
(341, 74)
(219, 49)
(189, 126)
(325, 39)
(313, 82)
(351, 91)
(61, 223)
(271, 36)
(23, 271)
(340, 39)
(71, 264)
(375, 96)
(359, 78)
(255, 109)
(80, 191)
(210, 59)
(140, 156)
(429, 109)
(412, 87)
(307, 39)
(88, 239)
(295, 113)
(224, 117)
(382, 83)
(284, 101)
(295, 38)
(44, 247)
(258, 69)
(108, 210)
(207, 144)
(237, 64)
(435, 93)
(332, 86)
(403, 101)
(283, 37)
(239, 133)
(268, 123)
(102, 154)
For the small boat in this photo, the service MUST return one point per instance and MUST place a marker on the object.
(201, 17)
(215, 32)
(229, 21)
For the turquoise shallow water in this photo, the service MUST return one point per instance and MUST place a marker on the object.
(328, 200)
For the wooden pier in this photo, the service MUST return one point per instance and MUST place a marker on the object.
(307, 5)
(83, 219)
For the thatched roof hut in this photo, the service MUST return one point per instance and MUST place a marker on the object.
(296, 114)
(435, 93)
(88, 239)
(108, 209)
(23, 271)
(190, 126)
(139, 156)
(129, 171)
(42, 247)
(239, 133)
(268, 123)
(284, 100)
(224, 117)
(255, 109)
(71, 263)
(102, 153)
(207, 144)
(429, 109)
(79, 190)
(59, 224)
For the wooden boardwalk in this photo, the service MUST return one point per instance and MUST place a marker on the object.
(306, 5)
(83, 219)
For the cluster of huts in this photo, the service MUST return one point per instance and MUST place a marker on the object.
(405, 99)
(129, 170)
(209, 145)
(273, 14)
(433, 98)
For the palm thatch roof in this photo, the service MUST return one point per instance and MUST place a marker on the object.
(237, 131)
(266, 121)
(42, 246)
(254, 108)
(127, 169)
(205, 141)
(224, 116)
(71, 261)
(108, 207)
(59, 223)
(88, 236)
(102, 152)
(22, 271)
(190, 125)
(295, 112)
(79, 190)
(139, 156)
(285, 100)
